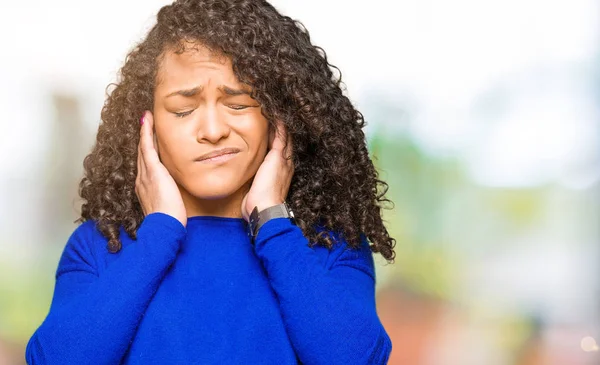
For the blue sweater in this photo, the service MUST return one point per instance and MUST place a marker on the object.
(202, 294)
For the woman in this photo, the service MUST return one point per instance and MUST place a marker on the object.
(231, 224)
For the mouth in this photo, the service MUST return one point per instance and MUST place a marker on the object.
(218, 159)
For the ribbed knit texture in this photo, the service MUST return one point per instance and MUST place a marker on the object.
(202, 294)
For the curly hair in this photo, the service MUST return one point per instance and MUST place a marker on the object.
(335, 184)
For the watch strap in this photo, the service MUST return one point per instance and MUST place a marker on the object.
(257, 219)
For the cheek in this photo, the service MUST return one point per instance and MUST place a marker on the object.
(261, 131)
(260, 143)
(171, 150)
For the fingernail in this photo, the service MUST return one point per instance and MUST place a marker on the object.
(142, 120)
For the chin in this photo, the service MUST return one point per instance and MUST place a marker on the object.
(215, 187)
(211, 192)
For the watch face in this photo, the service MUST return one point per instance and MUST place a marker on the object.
(253, 219)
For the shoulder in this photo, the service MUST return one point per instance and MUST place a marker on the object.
(81, 249)
(342, 254)
(86, 236)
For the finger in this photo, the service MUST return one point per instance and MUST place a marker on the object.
(288, 141)
(155, 141)
(276, 138)
(281, 139)
(140, 170)
(139, 153)
(140, 159)
(150, 157)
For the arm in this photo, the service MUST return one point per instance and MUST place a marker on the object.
(94, 318)
(329, 313)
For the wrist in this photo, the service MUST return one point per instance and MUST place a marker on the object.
(266, 204)
(259, 216)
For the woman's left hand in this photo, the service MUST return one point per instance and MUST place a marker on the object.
(274, 176)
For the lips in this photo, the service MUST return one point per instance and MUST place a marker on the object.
(219, 152)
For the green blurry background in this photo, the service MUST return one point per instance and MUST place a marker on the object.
(482, 117)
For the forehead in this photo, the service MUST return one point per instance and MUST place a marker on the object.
(194, 66)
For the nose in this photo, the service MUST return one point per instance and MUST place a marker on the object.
(212, 125)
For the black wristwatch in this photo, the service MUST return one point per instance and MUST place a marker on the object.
(257, 219)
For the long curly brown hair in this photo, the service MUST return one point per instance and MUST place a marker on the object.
(335, 184)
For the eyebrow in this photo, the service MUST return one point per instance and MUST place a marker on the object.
(187, 93)
(198, 89)
(234, 92)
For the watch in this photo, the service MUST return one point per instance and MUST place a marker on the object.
(257, 219)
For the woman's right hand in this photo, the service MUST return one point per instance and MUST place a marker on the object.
(154, 185)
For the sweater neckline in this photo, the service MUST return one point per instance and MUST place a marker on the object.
(211, 221)
(216, 218)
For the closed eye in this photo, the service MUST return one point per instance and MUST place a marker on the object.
(238, 107)
(183, 114)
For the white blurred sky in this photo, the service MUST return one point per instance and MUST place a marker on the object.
(533, 58)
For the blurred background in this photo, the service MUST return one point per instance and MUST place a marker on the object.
(483, 117)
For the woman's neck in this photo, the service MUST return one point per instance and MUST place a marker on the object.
(228, 206)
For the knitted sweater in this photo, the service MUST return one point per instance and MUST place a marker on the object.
(202, 294)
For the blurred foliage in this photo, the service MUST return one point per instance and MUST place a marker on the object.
(419, 186)
(439, 216)
(25, 293)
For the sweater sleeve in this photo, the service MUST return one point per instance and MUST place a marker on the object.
(94, 317)
(329, 310)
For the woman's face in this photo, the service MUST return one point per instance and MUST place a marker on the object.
(200, 107)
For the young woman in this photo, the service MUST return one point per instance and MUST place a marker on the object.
(231, 223)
